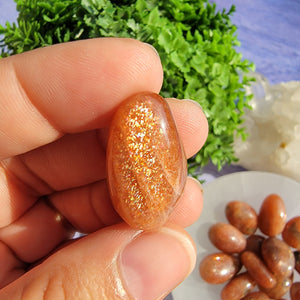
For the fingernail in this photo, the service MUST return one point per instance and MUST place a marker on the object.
(194, 102)
(155, 263)
(152, 48)
(198, 182)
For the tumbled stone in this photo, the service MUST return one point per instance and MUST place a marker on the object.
(227, 238)
(278, 257)
(291, 232)
(242, 216)
(258, 270)
(146, 164)
(295, 291)
(238, 287)
(272, 215)
(219, 267)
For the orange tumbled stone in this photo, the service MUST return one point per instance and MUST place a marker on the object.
(146, 164)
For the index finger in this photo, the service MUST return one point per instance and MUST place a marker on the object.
(70, 87)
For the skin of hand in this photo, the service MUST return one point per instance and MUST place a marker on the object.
(56, 104)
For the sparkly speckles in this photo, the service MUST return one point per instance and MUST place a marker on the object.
(145, 161)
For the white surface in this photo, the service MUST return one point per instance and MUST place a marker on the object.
(248, 186)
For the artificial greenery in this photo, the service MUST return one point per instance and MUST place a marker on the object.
(196, 43)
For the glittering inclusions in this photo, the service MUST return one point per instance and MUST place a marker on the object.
(146, 164)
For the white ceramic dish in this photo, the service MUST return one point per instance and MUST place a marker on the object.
(249, 186)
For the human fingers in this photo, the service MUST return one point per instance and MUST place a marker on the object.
(190, 204)
(115, 262)
(78, 160)
(36, 233)
(68, 88)
(87, 209)
(191, 124)
(63, 88)
(11, 267)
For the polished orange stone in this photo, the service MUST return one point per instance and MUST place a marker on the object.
(146, 164)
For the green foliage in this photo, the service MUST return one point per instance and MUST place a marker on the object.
(196, 43)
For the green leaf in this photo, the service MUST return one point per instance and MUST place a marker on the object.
(195, 39)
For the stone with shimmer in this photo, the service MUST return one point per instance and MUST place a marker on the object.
(146, 163)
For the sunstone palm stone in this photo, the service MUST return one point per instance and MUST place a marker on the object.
(146, 163)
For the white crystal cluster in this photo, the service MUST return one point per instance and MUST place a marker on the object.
(273, 125)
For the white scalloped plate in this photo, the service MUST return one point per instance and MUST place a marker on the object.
(249, 186)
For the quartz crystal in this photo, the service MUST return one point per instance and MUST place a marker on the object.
(146, 164)
(273, 128)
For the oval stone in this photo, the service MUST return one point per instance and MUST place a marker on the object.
(278, 257)
(258, 270)
(238, 287)
(227, 238)
(242, 216)
(219, 267)
(295, 291)
(272, 215)
(291, 232)
(146, 163)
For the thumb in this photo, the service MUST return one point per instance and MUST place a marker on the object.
(116, 262)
